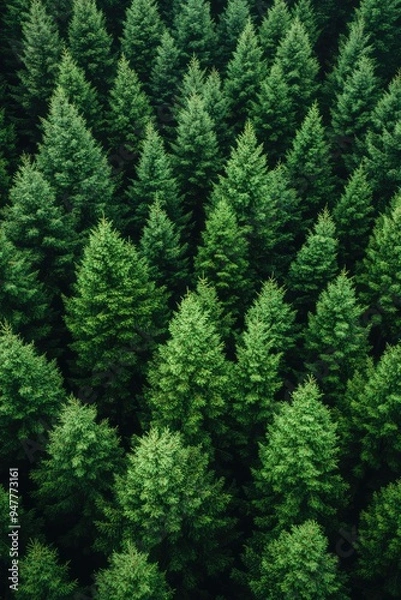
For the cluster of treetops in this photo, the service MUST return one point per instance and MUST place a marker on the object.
(200, 298)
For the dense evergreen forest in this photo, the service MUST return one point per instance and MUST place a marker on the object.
(200, 299)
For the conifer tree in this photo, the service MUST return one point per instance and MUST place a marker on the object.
(375, 413)
(41, 50)
(130, 573)
(223, 258)
(73, 164)
(276, 22)
(379, 276)
(285, 574)
(231, 24)
(195, 33)
(90, 44)
(189, 378)
(336, 339)
(42, 576)
(245, 72)
(351, 112)
(315, 264)
(83, 458)
(216, 105)
(31, 393)
(192, 83)
(292, 484)
(379, 543)
(34, 223)
(165, 78)
(308, 166)
(79, 91)
(129, 109)
(353, 214)
(7, 154)
(113, 316)
(142, 31)
(154, 180)
(209, 302)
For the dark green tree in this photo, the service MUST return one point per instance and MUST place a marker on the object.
(31, 394)
(336, 338)
(165, 79)
(130, 574)
(216, 104)
(192, 82)
(42, 576)
(223, 259)
(113, 316)
(7, 154)
(276, 22)
(83, 457)
(90, 44)
(74, 164)
(285, 574)
(353, 216)
(209, 302)
(315, 264)
(194, 31)
(231, 24)
(142, 31)
(305, 12)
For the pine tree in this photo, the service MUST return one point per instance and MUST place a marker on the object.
(41, 50)
(285, 574)
(231, 24)
(379, 276)
(90, 44)
(7, 154)
(31, 394)
(353, 215)
(175, 509)
(244, 74)
(83, 458)
(165, 79)
(315, 264)
(209, 303)
(192, 83)
(375, 413)
(42, 576)
(216, 105)
(142, 32)
(189, 378)
(308, 166)
(130, 573)
(223, 259)
(298, 478)
(351, 112)
(195, 33)
(336, 339)
(305, 12)
(276, 23)
(379, 543)
(113, 316)
(79, 91)
(154, 180)
(73, 164)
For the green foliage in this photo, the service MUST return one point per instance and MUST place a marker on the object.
(379, 544)
(189, 377)
(231, 24)
(223, 258)
(7, 154)
(336, 337)
(165, 77)
(298, 478)
(209, 302)
(216, 105)
(298, 565)
(83, 457)
(195, 33)
(375, 413)
(74, 164)
(315, 265)
(142, 31)
(273, 28)
(42, 577)
(31, 393)
(304, 11)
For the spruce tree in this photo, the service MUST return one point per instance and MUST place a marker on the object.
(7, 154)
(73, 164)
(31, 394)
(336, 339)
(353, 215)
(209, 302)
(231, 24)
(195, 33)
(315, 264)
(189, 378)
(113, 316)
(165, 79)
(216, 105)
(285, 574)
(83, 457)
(275, 24)
(192, 83)
(305, 12)
(245, 72)
(42, 576)
(141, 36)
(90, 44)
(223, 259)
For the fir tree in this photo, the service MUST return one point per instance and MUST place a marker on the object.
(164, 79)
(195, 33)
(7, 154)
(305, 12)
(142, 32)
(276, 23)
(209, 302)
(192, 83)
(231, 24)
(216, 105)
